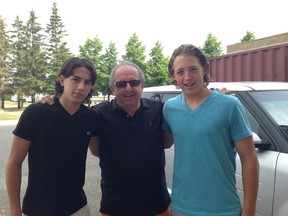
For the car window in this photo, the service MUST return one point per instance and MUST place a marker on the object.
(275, 103)
(152, 96)
(166, 96)
(256, 128)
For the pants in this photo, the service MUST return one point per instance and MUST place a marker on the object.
(85, 211)
(166, 213)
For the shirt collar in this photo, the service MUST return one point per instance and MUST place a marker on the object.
(116, 106)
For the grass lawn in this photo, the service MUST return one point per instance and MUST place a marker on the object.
(11, 112)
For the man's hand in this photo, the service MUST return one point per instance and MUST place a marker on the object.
(225, 91)
(46, 99)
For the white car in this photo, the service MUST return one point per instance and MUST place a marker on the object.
(266, 105)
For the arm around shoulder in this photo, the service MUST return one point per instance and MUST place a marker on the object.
(167, 140)
(94, 146)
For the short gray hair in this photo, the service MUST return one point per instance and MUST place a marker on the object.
(125, 62)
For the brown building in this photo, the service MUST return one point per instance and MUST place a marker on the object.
(264, 59)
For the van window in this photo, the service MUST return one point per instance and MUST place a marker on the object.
(159, 96)
(152, 96)
(166, 96)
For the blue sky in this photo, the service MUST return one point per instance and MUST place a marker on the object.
(168, 21)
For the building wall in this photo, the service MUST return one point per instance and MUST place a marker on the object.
(268, 63)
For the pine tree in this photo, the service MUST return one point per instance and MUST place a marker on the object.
(57, 48)
(36, 64)
(5, 70)
(19, 47)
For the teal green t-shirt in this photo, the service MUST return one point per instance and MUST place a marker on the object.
(204, 164)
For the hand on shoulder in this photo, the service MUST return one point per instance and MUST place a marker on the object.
(46, 100)
(225, 91)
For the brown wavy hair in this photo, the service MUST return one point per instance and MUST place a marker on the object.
(187, 50)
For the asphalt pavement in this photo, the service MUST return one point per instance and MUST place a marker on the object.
(92, 184)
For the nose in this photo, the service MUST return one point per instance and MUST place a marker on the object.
(81, 85)
(187, 75)
(128, 86)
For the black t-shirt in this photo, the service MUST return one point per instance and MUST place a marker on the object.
(132, 160)
(56, 157)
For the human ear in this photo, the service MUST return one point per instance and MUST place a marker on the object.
(61, 80)
(206, 69)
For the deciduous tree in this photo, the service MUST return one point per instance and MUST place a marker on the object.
(109, 61)
(92, 49)
(135, 52)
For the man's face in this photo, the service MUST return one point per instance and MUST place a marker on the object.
(128, 96)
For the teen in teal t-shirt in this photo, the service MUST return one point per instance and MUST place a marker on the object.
(204, 162)
(208, 129)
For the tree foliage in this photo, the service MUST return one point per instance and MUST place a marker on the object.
(248, 37)
(135, 52)
(212, 46)
(35, 58)
(35, 55)
(109, 61)
(5, 69)
(92, 50)
(157, 72)
(57, 50)
(18, 53)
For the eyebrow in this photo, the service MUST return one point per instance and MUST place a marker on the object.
(75, 76)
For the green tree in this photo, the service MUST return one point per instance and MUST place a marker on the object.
(109, 61)
(157, 72)
(135, 52)
(92, 50)
(248, 37)
(35, 57)
(18, 53)
(56, 48)
(5, 70)
(212, 47)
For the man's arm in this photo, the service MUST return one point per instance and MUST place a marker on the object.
(13, 173)
(250, 174)
(94, 146)
(167, 140)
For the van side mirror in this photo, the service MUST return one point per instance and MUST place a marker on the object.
(157, 97)
(261, 144)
